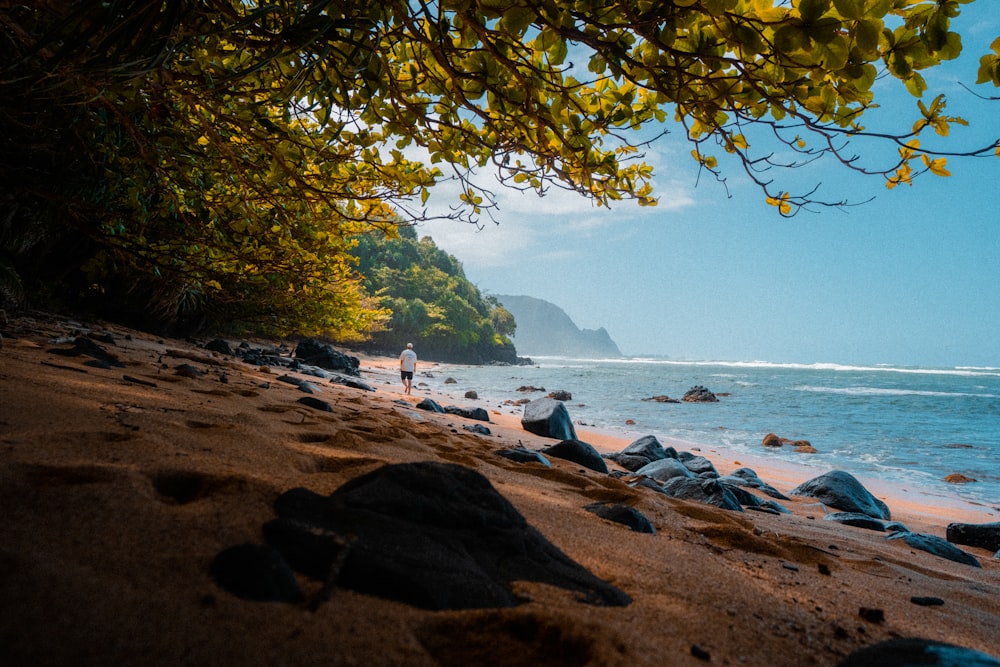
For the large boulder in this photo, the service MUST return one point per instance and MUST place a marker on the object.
(578, 451)
(433, 535)
(548, 418)
(844, 492)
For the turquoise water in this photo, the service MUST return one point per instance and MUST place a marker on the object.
(901, 424)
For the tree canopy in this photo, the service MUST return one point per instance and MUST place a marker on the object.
(432, 303)
(178, 160)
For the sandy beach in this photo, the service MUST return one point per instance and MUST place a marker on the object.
(120, 486)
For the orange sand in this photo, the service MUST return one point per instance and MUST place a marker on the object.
(115, 497)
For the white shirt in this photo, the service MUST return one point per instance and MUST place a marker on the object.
(408, 360)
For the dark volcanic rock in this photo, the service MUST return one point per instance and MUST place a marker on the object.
(578, 451)
(620, 513)
(352, 383)
(708, 491)
(842, 491)
(982, 535)
(313, 352)
(86, 347)
(662, 398)
(917, 652)
(857, 520)
(748, 478)
(221, 346)
(437, 536)
(699, 394)
(430, 405)
(935, 545)
(699, 465)
(641, 452)
(478, 414)
(665, 469)
(256, 572)
(315, 403)
(548, 418)
(521, 455)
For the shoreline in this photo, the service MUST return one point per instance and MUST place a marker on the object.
(123, 483)
(926, 511)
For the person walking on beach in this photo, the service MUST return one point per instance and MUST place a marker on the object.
(407, 367)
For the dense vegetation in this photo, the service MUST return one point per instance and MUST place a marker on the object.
(207, 163)
(433, 305)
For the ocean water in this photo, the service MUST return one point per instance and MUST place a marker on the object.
(900, 424)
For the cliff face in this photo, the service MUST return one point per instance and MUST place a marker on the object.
(543, 329)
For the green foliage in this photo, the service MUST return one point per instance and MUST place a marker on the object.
(433, 305)
(191, 163)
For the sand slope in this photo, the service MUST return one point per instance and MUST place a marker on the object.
(115, 496)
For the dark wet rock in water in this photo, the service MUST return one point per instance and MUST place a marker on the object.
(578, 451)
(708, 491)
(548, 418)
(982, 535)
(842, 491)
(623, 514)
(430, 405)
(665, 469)
(522, 455)
(699, 394)
(938, 546)
(256, 572)
(661, 398)
(857, 520)
(561, 395)
(915, 652)
(436, 536)
(315, 353)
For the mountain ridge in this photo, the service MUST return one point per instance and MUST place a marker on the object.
(544, 329)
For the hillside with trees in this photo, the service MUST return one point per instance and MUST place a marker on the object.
(181, 166)
(431, 302)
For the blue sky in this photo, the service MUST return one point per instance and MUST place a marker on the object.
(911, 278)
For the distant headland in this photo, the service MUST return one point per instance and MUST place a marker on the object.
(544, 329)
